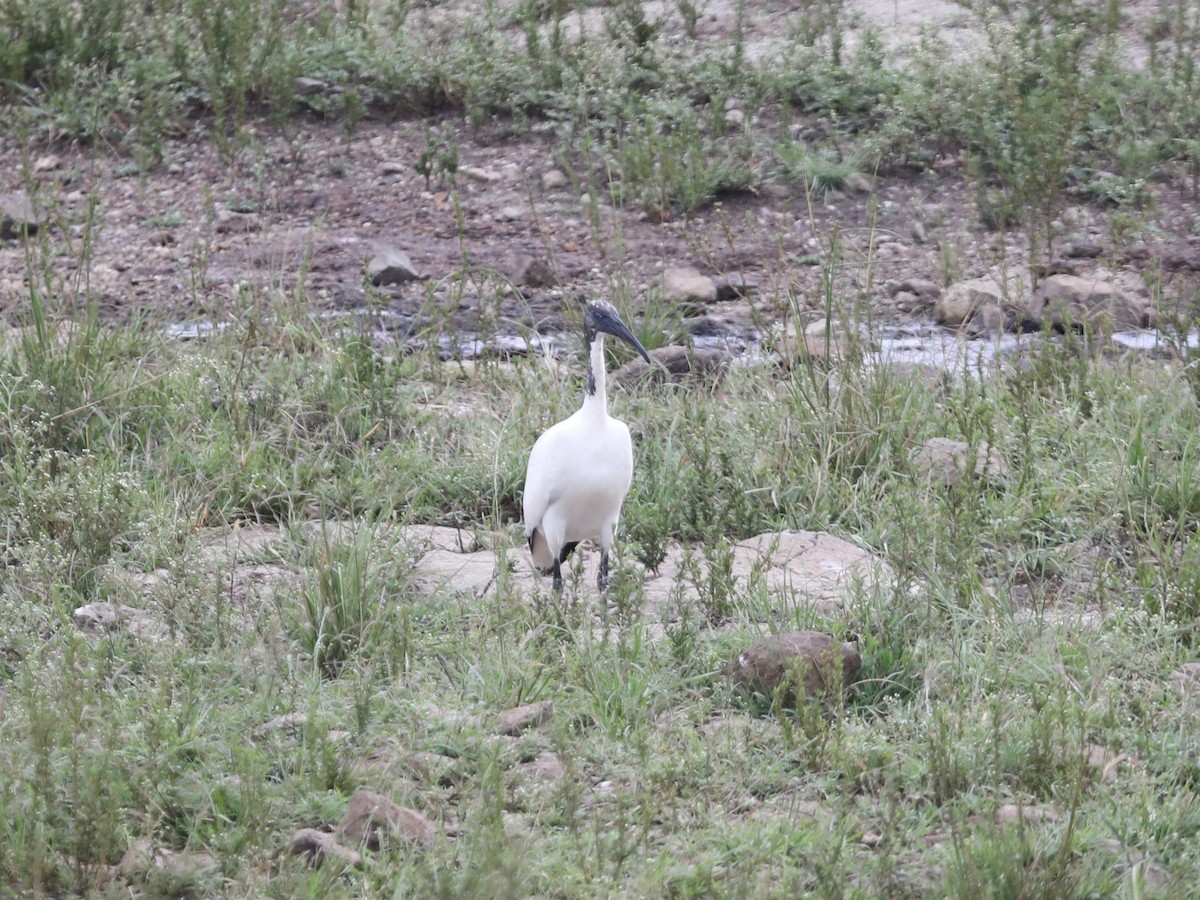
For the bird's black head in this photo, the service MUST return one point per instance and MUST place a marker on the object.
(602, 316)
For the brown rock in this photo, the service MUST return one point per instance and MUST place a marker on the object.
(546, 767)
(372, 819)
(674, 364)
(534, 272)
(391, 266)
(781, 665)
(522, 718)
(231, 222)
(319, 847)
(686, 285)
(730, 287)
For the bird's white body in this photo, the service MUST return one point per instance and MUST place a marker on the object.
(579, 473)
(580, 469)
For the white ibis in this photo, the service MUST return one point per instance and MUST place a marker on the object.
(580, 469)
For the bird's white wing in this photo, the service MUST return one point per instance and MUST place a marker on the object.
(539, 477)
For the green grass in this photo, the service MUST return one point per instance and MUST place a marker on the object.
(968, 700)
(1027, 623)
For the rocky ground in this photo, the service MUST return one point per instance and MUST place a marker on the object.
(304, 214)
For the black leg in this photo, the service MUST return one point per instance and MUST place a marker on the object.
(602, 577)
(557, 571)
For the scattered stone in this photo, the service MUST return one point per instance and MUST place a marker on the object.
(141, 858)
(1071, 300)
(547, 766)
(1102, 762)
(813, 344)
(522, 718)
(730, 287)
(476, 173)
(906, 302)
(674, 364)
(108, 618)
(372, 821)
(783, 664)
(554, 180)
(17, 216)
(963, 300)
(391, 266)
(232, 222)
(923, 288)
(292, 724)
(944, 461)
(1084, 250)
(1011, 812)
(319, 847)
(534, 272)
(684, 284)
(811, 567)
(871, 839)
(990, 318)
(858, 183)
(1188, 676)
(308, 87)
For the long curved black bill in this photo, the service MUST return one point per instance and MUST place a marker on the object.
(614, 326)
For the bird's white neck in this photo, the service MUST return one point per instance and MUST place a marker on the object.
(595, 395)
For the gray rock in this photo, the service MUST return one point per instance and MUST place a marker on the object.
(990, 318)
(109, 618)
(391, 266)
(1084, 250)
(554, 180)
(17, 216)
(1032, 814)
(1092, 302)
(684, 284)
(141, 858)
(961, 301)
(521, 718)
(372, 821)
(799, 663)
(944, 461)
(476, 173)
